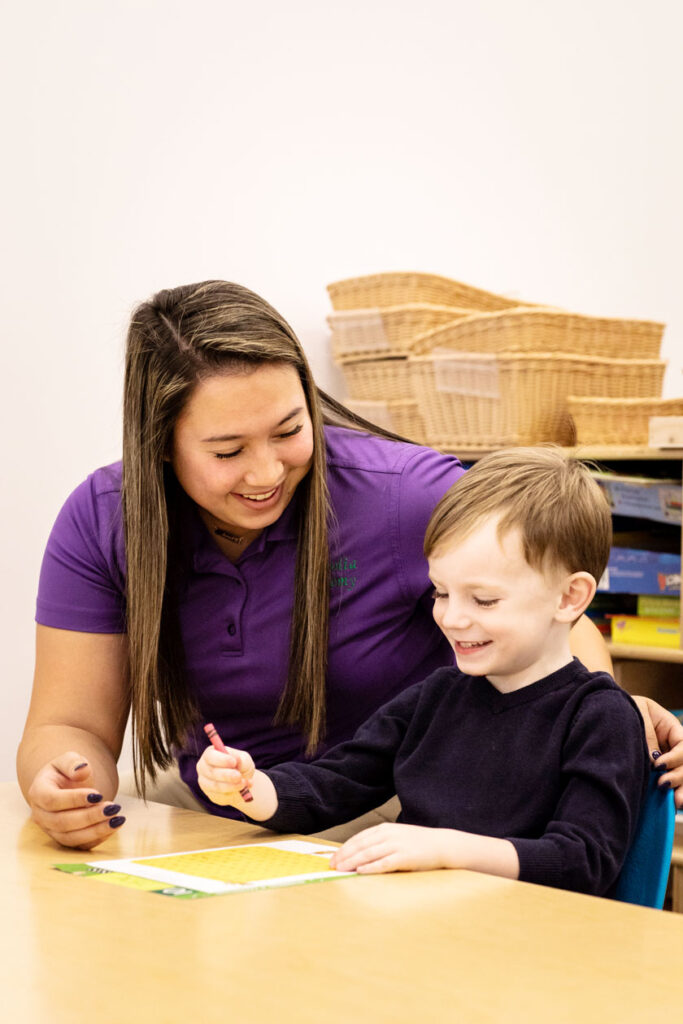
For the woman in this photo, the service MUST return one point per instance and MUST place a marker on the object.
(257, 562)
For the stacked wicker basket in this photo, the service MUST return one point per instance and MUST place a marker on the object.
(456, 367)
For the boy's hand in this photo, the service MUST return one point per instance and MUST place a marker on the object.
(222, 777)
(391, 847)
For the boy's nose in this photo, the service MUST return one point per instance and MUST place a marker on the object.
(456, 618)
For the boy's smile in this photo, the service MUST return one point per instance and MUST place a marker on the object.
(502, 617)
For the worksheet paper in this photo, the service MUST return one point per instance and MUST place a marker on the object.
(215, 871)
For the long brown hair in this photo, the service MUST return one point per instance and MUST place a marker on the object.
(176, 339)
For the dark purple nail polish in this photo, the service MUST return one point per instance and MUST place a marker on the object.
(116, 822)
(656, 754)
(664, 784)
(93, 798)
(83, 765)
(659, 767)
(111, 809)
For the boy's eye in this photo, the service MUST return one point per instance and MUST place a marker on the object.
(485, 602)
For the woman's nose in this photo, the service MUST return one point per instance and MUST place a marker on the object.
(265, 469)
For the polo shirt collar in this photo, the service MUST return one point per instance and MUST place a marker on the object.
(207, 556)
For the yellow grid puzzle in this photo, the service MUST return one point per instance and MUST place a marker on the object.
(241, 864)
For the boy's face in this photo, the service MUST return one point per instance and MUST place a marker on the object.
(496, 610)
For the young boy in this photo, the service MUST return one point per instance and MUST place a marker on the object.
(519, 762)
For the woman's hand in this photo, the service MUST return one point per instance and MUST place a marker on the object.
(664, 733)
(222, 776)
(391, 847)
(66, 806)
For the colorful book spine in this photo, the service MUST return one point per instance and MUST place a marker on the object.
(646, 631)
(659, 606)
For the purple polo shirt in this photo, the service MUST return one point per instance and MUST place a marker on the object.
(235, 618)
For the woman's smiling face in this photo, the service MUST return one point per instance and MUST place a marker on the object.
(241, 446)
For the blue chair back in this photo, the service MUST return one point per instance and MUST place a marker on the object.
(645, 872)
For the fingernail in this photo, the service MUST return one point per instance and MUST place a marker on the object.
(76, 767)
(116, 822)
(94, 798)
(664, 784)
(660, 767)
(655, 754)
(111, 809)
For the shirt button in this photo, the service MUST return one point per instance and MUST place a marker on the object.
(232, 629)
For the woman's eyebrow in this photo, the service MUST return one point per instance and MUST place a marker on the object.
(238, 437)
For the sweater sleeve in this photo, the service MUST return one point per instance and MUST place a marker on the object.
(351, 779)
(605, 769)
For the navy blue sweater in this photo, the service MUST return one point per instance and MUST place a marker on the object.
(559, 768)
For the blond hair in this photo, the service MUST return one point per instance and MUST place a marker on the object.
(559, 509)
(178, 338)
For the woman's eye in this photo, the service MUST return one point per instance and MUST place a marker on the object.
(437, 594)
(485, 603)
(292, 433)
(226, 455)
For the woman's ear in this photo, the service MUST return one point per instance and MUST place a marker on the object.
(577, 593)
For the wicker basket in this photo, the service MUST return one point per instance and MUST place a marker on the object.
(386, 332)
(485, 400)
(378, 380)
(390, 331)
(546, 330)
(400, 417)
(398, 288)
(618, 420)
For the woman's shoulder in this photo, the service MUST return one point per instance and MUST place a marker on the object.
(353, 449)
(100, 488)
(92, 509)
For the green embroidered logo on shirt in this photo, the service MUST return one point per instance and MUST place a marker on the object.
(342, 572)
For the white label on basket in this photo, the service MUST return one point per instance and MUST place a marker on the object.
(360, 333)
(467, 377)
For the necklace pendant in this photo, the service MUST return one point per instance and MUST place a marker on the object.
(228, 536)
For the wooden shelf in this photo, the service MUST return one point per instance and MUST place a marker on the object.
(595, 451)
(636, 652)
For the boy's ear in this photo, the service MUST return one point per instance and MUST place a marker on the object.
(577, 593)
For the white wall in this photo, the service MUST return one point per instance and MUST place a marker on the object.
(531, 147)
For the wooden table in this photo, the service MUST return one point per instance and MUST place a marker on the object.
(438, 946)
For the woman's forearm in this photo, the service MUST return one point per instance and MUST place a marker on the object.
(588, 645)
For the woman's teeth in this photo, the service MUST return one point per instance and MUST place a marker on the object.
(259, 497)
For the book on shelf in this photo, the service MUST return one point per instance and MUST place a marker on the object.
(658, 606)
(646, 631)
(645, 619)
(634, 571)
(642, 497)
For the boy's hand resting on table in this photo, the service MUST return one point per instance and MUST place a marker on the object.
(397, 847)
(223, 776)
(391, 847)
